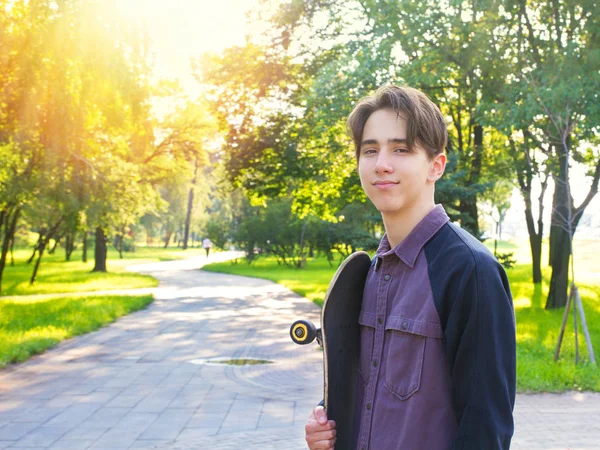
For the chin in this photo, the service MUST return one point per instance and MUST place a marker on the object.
(389, 209)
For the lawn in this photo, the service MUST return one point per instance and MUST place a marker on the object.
(537, 329)
(30, 327)
(59, 276)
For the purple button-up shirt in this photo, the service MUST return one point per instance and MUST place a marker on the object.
(422, 366)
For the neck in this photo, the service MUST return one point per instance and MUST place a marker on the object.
(399, 225)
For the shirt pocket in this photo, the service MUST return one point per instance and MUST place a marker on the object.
(406, 340)
(367, 333)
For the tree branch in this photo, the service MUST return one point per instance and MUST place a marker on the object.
(592, 192)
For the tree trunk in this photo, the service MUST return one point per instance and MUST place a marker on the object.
(561, 235)
(69, 245)
(121, 238)
(551, 236)
(10, 225)
(44, 241)
(100, 251)
(188, 216)
(496, 240)
(565, 218)
(12, 253)
(37, 246)
(525, 175)
(148, 237)
(51, 252)
(84, 252)
(559, 283)
(168, 238)
(535, 243)
(38, 260)
(468, 206)
(500, 228)
(302, 257)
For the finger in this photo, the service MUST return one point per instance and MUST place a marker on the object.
(324, 444)
(320, 436)
(320, 415)
(312, 426)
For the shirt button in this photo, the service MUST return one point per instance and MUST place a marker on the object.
(405, 325)
(369, 406)
(380, 320)
(375, 363)
(387, 277)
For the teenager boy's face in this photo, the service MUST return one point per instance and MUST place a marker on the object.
(395, 178)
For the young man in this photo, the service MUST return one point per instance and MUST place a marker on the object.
(438, 347)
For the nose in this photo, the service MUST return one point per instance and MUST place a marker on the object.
(383, 164)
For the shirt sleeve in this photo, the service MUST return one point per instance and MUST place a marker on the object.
(480, 338)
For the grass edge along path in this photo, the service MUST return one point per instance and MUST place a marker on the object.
(31, 327)
(57, 276)
(537, 328)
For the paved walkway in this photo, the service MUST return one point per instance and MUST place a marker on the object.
(144, 381)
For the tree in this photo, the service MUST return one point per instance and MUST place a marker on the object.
(185, 135)
(556, 48)
(446, 51)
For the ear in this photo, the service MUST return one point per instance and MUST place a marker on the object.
(436, 170)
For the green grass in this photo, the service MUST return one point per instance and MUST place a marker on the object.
(310, 282)
(537, 329)
(59, 276)
(30, 327)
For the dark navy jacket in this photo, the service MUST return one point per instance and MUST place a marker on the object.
(438, 345)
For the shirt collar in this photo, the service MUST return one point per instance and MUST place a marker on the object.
(411, 246)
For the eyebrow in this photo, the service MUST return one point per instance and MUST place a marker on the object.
(390, 141)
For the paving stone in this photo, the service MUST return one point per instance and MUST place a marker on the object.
(41, 437)
(72, 444)
(15, 431)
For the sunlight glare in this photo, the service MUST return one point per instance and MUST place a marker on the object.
(183, 29)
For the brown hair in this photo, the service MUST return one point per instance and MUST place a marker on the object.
(425, 124)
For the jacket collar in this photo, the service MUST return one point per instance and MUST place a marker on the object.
(408, 250)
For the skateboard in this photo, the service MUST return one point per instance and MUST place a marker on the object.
(339, 336)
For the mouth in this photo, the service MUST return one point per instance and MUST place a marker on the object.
(385, 184)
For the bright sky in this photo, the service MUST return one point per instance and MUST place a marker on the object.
(184, 29)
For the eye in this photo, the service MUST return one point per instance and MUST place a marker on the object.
(402, 150)
(368, 151)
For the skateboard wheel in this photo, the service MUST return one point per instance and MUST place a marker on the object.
(303, 332)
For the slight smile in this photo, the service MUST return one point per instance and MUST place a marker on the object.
(383, 185)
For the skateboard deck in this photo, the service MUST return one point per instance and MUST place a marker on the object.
(339, 336)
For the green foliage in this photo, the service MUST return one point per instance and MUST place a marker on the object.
(277, 230)
(80, 147)
(28, 328)
(506, 259)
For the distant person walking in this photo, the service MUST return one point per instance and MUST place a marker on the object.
(207, 245)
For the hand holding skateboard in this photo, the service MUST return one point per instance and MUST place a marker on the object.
(339, 336)
(320, 432)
